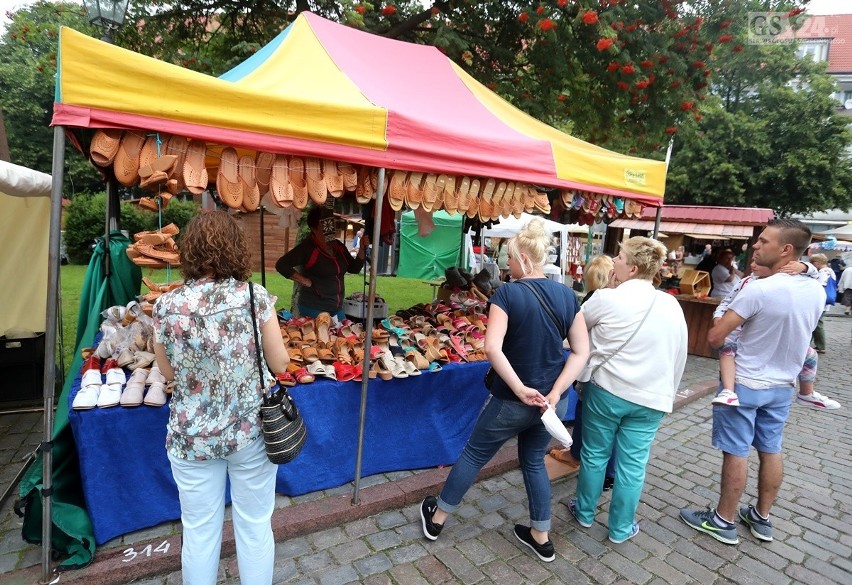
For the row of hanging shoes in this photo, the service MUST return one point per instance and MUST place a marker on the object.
(587, 208)
(488, 199)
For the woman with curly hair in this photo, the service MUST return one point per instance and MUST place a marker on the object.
(205, 342)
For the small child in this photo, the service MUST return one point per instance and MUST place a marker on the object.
(728, 351)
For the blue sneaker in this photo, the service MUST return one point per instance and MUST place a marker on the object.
(634, 530)
(708, 522)
(572, 507)
(761, 529)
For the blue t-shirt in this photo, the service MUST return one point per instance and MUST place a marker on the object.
(532, 343)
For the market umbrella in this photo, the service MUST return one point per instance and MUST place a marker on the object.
(72, 532)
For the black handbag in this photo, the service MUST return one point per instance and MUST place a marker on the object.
(284, 430)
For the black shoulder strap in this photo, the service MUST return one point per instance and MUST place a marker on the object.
(544, 306)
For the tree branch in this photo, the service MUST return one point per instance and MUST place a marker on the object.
(416, 20)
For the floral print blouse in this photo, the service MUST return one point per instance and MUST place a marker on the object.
(206, 328)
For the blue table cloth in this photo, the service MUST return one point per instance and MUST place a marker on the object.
(411, 423)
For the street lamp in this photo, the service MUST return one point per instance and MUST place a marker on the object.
(107, 14)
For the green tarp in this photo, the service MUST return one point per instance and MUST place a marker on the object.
(72, 534)
(428, 257)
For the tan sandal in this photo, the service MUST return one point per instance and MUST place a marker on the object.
(248, 178)
(194, 167)
(316, 185)
(298, 182)
(228, 179)
(126, 162)
(263, 171)
(104, 146)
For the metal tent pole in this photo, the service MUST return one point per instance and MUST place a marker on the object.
(365, 365)
(50, 347)
(262, 252)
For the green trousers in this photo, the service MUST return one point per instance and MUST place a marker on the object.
(609, 420)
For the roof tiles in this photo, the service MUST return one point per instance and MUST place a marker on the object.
(838, 28)
(707, 214)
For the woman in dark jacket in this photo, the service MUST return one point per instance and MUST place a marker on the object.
(322, 265)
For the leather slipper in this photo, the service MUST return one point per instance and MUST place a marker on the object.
(298, 182)
(430, 192)
(263, 171)
(279, 182)
(396, 195)
(148, 154)
(126, 162)
(248, 178)
(364, 188)
(451, 198)
(440, 187)
(104, 146)
(228, 179)
(464, 195)
(316, 185)
(194, 167)
(332, 177)
(414, 192)
(349, 174)
(177, 146)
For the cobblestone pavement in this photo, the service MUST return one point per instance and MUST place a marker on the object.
(813, 514)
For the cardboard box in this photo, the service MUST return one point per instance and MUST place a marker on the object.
(695, 282)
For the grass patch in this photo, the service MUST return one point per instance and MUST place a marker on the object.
(399, 293)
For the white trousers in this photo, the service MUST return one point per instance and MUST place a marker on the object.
(201, 485)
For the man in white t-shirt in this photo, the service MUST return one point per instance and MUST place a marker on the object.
(778, 315)
(725, 275)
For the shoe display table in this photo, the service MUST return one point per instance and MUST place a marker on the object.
(412, 423)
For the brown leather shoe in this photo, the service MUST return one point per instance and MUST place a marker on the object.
(564, 455)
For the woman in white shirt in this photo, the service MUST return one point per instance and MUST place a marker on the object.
(639, 343)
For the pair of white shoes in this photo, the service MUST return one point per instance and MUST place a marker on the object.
(95, 392)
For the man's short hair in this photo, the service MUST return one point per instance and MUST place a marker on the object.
(793, 232)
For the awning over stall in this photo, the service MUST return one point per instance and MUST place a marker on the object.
(323, 89)
(702, 222)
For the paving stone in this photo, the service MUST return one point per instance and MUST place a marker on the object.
(373, 564)
(626, 568)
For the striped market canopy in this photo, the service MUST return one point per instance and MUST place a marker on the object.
(326, 90)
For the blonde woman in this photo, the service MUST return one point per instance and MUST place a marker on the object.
(597, 275)
(639, 338)
(524, 346)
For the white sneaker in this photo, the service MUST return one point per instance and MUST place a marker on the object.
(726, 397)
(87, 397)
(110, 395)
(817, 400)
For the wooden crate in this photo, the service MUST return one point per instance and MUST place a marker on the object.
(695, 282)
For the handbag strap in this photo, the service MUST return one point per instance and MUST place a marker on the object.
(626, 341)
(256, 338)
(544, 306)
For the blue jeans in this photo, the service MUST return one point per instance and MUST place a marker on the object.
(499, 421)
(612, 421)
